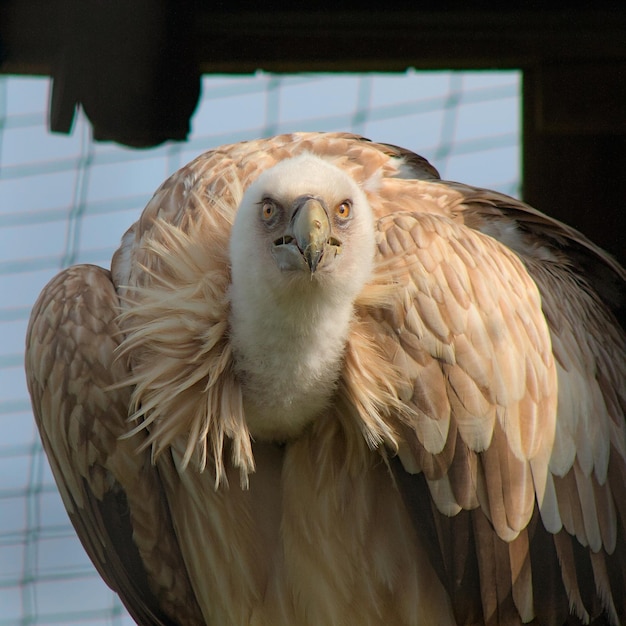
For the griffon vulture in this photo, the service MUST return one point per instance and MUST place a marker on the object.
(322, 387)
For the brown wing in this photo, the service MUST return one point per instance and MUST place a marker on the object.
(536, 237)
(517, 436)
(111, 492)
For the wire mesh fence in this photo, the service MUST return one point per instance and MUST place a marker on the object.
(66, 199)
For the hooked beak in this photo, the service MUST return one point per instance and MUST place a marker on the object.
(311, 228)
(310, 234)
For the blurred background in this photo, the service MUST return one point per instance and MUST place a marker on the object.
(66, 199)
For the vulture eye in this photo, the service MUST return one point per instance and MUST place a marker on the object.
(268, 209)
(344, 209)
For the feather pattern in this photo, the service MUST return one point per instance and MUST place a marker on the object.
(467, 464)
(111, 493)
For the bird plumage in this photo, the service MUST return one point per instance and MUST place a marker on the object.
(420, 421)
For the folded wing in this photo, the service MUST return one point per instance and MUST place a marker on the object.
(513, 457)
(111, 491)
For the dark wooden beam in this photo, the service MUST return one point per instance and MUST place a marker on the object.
(397, 40)
(245, 38)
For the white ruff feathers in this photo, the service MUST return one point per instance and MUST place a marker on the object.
(289, 333)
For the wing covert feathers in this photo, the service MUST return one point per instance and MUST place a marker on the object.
(485, 366)
(111, 493)
(515, 373)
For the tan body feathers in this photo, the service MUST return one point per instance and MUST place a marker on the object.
(320, 386)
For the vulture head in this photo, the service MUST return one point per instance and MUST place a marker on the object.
(301, 250)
